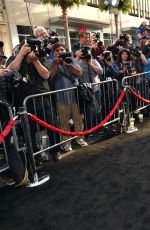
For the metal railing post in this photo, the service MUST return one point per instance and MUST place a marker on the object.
(33, 175)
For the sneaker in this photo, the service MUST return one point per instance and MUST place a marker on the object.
(66, 147)
(57, 156)
(81, 142)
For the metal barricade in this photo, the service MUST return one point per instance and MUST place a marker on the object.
(65, 109)
(6, 114)
(140, 85)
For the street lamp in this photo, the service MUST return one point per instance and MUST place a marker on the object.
(113, 6)
(113, 3)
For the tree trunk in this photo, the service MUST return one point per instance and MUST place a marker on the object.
(66, 29)
(116, 24)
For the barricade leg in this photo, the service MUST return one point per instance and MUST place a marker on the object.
(33, 174)
(130, 120)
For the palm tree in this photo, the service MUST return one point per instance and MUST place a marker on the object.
(121, 5)
(65, 4)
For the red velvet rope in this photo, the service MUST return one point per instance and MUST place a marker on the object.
(48, 126)
(138, 96)
(7, 129)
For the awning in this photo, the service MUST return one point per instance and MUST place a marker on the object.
(76, 22)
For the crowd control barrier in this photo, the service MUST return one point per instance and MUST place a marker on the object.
(6, 115)
(53, 108)
(48, 120)
(140, 85)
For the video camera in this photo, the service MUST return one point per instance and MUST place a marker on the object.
(86, 52)
(39, 46)
(107, 56)
(66, 57)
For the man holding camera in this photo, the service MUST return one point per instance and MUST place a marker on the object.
(35, 70)
(64, 73)
(84, 39)
(142, 32)
(50, 39)
(91, 71)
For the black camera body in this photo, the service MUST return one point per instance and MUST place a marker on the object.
(37, 45)
(107, 55)
(66, 57)
(8, 83)
(123, 38)
(12, 78)
(40, 46)
(130, 68)
(53, 38)
(34, 43)
(135, 51)
(86, 52)
(97, 35)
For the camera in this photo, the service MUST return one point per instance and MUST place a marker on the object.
(97, 36)
(40, 46)
(135, 51)
(107, 56)
(36, 45)
(146, 28)
(12, 78)
(130, 69)
(123, 38)
(8, 84)
(66, 57)
(53, 38)
(86, 52)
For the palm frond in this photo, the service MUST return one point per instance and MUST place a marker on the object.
(62, 3)
(126, 6)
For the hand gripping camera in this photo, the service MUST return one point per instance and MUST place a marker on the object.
(86, 52)
(66, 57)
(107, 56)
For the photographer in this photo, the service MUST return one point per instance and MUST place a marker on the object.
(138, 59)
(124, 41)
(91, 70)
(64, 73)
(84, 39)
(126, 67)
(110, 70)
(35, 71)
(17, 173)
(97, 47)
(145, 46)
(142, 32)
(49, 39)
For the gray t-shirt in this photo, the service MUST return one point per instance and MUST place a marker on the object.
(87, 72)
(64, 79)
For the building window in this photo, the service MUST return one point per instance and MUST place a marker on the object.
(23, 32)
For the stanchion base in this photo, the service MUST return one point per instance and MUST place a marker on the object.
(39, 181)
(131, 130)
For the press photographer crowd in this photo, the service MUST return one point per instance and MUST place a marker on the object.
(41, 64)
